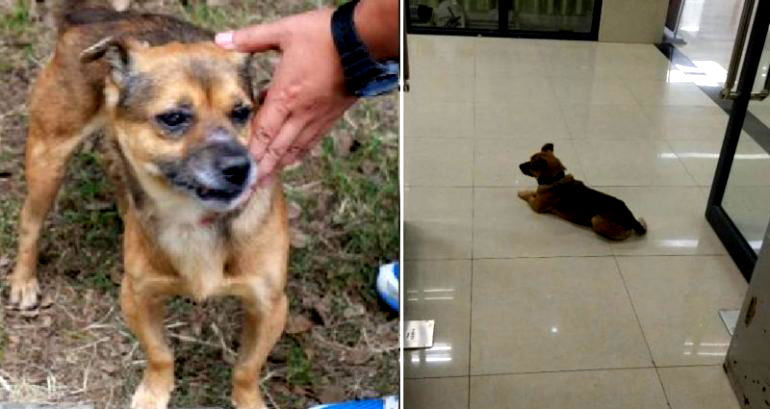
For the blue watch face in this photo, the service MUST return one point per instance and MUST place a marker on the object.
(384, 83)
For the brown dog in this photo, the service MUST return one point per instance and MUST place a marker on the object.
(570, 199)
(175, 109)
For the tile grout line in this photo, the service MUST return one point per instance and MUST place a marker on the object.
(641, 329)
(681, 162)
(555, 371)
(473, 227)
(574, 256)
(571, 140)
(559, 104)
(641, 105)
(693, 186)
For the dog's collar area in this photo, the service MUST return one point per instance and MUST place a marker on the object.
(551, 180)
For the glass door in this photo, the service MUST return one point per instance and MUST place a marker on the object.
(739, 204)
(568, 19)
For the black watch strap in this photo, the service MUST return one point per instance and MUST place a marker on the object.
(357, 64)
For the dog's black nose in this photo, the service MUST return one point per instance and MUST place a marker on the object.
(235, 169)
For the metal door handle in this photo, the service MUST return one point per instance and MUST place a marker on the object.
(740, 44)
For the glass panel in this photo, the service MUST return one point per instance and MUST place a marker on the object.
(747, 195)
(454, 14)
(552, 15)
(761, 109)
(523, 15)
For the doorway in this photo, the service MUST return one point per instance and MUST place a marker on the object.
(739, 202)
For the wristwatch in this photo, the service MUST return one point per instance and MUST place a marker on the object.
(364, 76)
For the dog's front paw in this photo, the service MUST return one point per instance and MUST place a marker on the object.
(254, 405)
(150, 398)
(24, 293)
(247, 399)
(525, 194)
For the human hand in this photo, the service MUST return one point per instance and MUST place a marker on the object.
(307, 94)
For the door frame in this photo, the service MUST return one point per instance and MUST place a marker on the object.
(736, 244)
(504, 31)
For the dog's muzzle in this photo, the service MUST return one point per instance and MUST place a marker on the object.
(524, 167)
(220, 174)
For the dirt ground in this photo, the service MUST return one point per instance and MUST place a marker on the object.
(341, 341)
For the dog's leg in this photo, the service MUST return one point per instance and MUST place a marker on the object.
(607, 228)
(120, 5)
(533, 199)
(144, 315)
(262, 328)
(526, 194)
(46, 159)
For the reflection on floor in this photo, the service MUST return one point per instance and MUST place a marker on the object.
(532, 312)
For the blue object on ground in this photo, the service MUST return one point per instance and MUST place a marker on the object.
(388, 283)
(389, 402)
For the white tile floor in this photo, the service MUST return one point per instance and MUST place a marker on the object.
(531, 311)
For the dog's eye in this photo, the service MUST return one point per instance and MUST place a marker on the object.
(174, 120)
(241, 114)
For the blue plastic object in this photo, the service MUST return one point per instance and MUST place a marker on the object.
(388, 283)
(389, 402)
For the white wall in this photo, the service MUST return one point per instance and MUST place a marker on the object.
(633, 21)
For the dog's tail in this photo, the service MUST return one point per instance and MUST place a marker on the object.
(640, 226)
(68, 13)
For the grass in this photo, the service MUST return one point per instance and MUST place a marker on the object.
(98, 221)
(16, 20)
(299, 370)
(9, 217)
(216, 18)
(366, 220)
(344, 225)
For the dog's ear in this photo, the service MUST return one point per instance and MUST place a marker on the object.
(117, 52)
(547, 147)
(246, 72)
